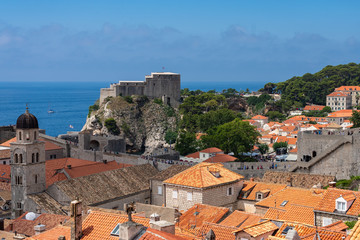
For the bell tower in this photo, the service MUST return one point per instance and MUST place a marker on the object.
(27, 163)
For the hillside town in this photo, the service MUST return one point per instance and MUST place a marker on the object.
(302, 185)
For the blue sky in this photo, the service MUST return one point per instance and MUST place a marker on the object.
(242, 41)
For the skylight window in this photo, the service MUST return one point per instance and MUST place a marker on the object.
(116, 230)
(284, 203)
(285, 231)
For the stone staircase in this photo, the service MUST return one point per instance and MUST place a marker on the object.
(306, 165)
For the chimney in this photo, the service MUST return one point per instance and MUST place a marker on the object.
(163, 226)
(289, 181)
(292, 234)
(76, 215)
(332, 184)
(61, 238)
(105, 161)
(129, 229)
(69, 166)
(39, 228)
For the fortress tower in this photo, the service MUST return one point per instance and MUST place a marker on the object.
(27, 163)
(163, 85)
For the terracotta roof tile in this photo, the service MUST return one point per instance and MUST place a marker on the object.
(221, 232)
(293, 196)
(219, 157)
(355, 232)
(7, 143)
(313, 107)
(153, 234)
(274, 214)
(240, 219)
(207, 213)
(308, 232)
(300, 214)
(337, 226)
(169, 172)
(338, 94)
(48, 145)
(341, 113)
(348, 88)
(260, 186)
(199, 176)
(259, 229)
(259, 117)
(193, 155)
(5, 154)
(328, 201)
(23, 226)
(53, 234)
(211, 150)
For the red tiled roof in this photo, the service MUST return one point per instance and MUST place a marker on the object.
(328, 201)
(348, 88)
(53, 234)
(221, 232)
(201, 176)
(341, 113)
(153, 234)
(48, 145)
(211, 150)
(220, 157)
(337, 226)
(338, 94)
(23, 226)
(259, 117)
(240, 219)
(5, 154)
(207, 213)
(314, 107)
(260, 186)
(56, 168)
(5, 171)
(259, 229)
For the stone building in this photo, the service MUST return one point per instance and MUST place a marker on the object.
(27, 163)
(338, 101)
(164, 85)
(353, 91)
(206, 183)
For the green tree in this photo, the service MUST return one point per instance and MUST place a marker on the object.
(215, 118)
(236, 136)
(186, 143)
(278, 145)
(275, 116)
(170, 137)
(355, 119)
(111, 126)
(263, 148)
(326, 109)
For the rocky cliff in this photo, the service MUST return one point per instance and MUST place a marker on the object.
(142, 122)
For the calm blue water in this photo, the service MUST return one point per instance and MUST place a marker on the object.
(70, 101)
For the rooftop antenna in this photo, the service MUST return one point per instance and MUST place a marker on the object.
(27, 108)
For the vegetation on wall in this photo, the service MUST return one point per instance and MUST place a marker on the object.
(111, 126)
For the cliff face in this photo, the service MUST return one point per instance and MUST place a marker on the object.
(142, 122)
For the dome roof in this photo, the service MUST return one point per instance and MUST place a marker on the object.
(27, 121)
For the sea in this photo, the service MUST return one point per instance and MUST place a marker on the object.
(70, 101)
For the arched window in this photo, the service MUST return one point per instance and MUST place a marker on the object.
(27, 136)
(21, 158)
(37, 157)
(36, 178)
(34, 135)
(16, 158)
(19, 135)
(33, 157)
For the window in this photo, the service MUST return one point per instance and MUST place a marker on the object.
(189, 196)
(35, 135)
(259, 196)
(33, 157)
(284, 203)
(175, 194)
(21, 159)
(230, 191)
(115, 231)
(37, 157)
(16, 158)
(18, 180)
(160, 190)
(341, 206)
(19, 135)
(18, 205)
(36, 178)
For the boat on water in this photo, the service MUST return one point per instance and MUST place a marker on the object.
(51, 111)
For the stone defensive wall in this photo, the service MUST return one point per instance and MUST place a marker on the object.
(330, 152)
(6, 133)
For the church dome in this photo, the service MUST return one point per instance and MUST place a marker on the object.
(27, 121)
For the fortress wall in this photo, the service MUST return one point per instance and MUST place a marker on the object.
(107, 92)
(6, 133)
(307, 143)
(340, 163)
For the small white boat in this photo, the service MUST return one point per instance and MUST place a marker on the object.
(51, 111)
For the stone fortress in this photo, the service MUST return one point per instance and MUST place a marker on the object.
(335, 153)
(164, 85)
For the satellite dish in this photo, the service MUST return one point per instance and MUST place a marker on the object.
(30, 216)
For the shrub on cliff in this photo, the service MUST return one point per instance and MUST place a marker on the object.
(111, 126)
